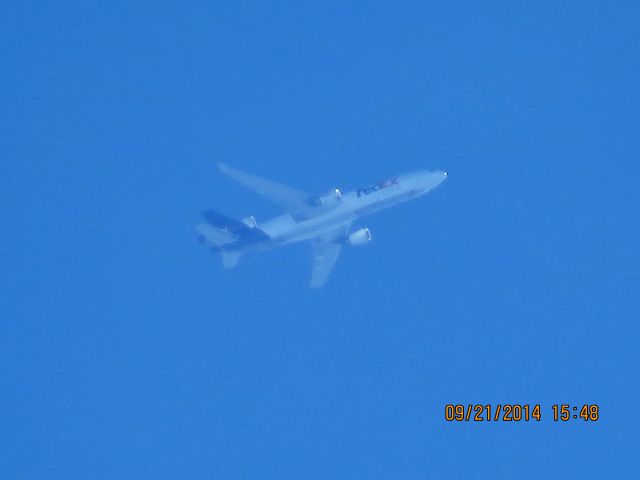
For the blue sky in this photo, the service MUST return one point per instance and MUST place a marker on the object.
(127, 352)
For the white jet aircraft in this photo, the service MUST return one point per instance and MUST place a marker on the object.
(325, 221)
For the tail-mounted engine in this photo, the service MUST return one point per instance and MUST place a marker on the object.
(360, 237)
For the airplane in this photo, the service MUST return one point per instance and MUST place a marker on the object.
(324, 221)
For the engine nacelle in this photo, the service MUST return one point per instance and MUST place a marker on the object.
(360, 237)
(333, 196)
(250, 222)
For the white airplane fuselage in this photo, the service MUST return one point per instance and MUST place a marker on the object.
(285, 229)
(323, 221)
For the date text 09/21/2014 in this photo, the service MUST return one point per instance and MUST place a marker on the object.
(518, 412)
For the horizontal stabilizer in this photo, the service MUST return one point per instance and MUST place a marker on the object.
(215, 236)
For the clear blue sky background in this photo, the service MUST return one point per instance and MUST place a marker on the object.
(127, 352)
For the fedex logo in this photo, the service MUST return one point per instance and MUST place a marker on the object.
(377, 186)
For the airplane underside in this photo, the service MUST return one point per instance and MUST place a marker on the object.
(324, 221)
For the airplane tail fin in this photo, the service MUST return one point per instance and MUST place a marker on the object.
(229, 236)
(245, 231)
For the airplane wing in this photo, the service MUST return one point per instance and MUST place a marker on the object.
(326, 249)
(292, 200)
(325, 255)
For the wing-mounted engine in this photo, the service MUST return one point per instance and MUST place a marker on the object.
(250, 221)
(360, 237)
(330, 199)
